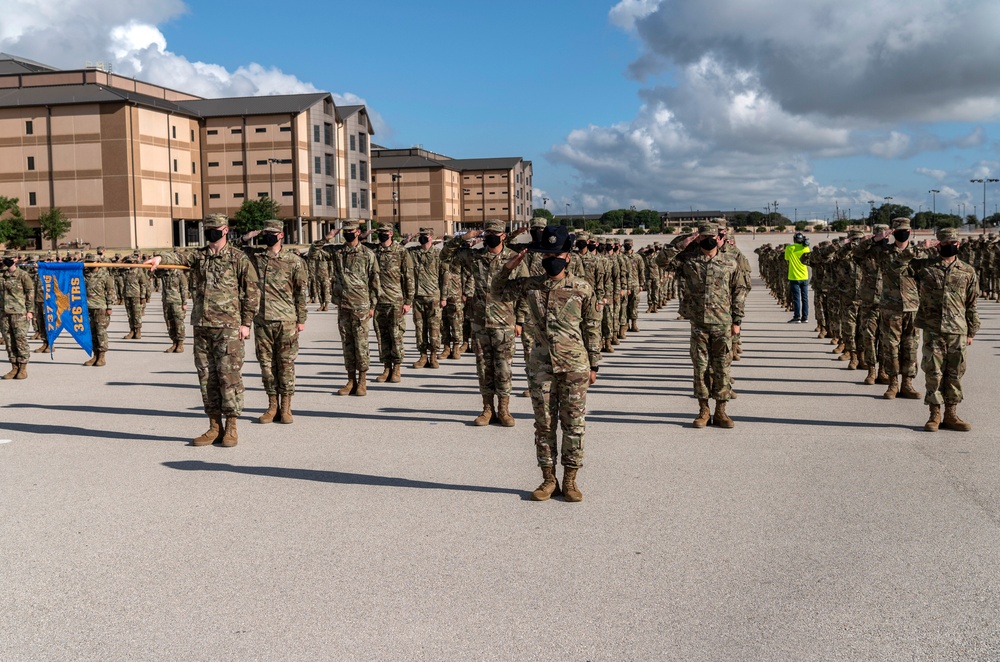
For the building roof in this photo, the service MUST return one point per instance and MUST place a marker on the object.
(12, 64)
(407, 162)
(343, 112)
(63, 95)
(284, 104)
(498, 163)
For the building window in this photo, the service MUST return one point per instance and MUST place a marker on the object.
(236, 131)
(354, 171)
(29, 127)
(32, 199)
(173, 132)
(363, 143)
(260, 129)
(315, 133)
(329, 164)
(195, 200)
(194, 168)
(329, 196)
(213, 164)
(328, 133)
(352, 143)
(317, 165)
(319, 197)
(517, 178)
(31, 163)
(175, 165)
(262, 194)
(177, 198)
(285, 129)
(354, 200)
(192, 135)
(214, 196)
(237, 195)
(364, 170)
(287, 194)
(364, 198)
(237, 163)
(261, 161)
(213, 132)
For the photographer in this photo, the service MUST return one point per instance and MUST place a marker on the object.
(796, 255)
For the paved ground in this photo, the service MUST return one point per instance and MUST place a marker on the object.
(825, 526)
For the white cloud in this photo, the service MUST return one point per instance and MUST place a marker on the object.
(933, 173)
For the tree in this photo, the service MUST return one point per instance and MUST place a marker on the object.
(613, 218)
(54, 226)
(14, 232)
(649, 218)
(253, 213)
(840, 225)
(542, 212)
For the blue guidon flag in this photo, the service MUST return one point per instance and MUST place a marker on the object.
(66, 302)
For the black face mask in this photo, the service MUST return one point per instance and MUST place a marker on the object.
(628, 249)
(708, 243)
(948, 250)
(492, 240)
(901, 235)
(350, 236)
(536, 234)
(554, 265)
(885, 242)
(269, 238)
(592, 246)
(8, 262)
(212, 235)
(424, 239)
(581, 244)
(608, 248)
(384, 237)
(600, 249)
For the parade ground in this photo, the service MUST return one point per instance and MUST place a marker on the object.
(826, 526)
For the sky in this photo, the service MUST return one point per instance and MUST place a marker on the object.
(664, 104)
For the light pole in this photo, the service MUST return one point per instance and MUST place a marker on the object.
(984, 181)
(871, 214)
(888, 197)
(396, 195)
(270, 171)
(934, 193)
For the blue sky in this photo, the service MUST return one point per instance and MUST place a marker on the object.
(668, 104)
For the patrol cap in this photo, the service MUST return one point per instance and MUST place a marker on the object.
(427, 231)
(538, 222)
(881, 227)
(856, 234)
(657, 244)
(992, 235)
(555, 239)
(901, 223)
(616, 242)
(349, 226)
(90, 257)
(721, 222)
(494, 225)
(216, 221)
(582, 236)
(386, 227)
(274, 225)
(708, 230)
(629, 242)
(947, 234)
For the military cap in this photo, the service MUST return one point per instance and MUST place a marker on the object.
(582, 235)
(538, 222)
(494, 225)
(657, 244)
(274, 225)
(90, 257)
(386, 227)
(947, 234)
(629, 242)
(901, 223)
(721, 222)
(216, 221)
(616, 242)
(856, 234)
(992, 235)
(880, 227)
(349, 226)
(427, 231)
(708, 229)
(555, 239)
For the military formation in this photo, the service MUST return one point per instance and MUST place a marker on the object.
(874, 295)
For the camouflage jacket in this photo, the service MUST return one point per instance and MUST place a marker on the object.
(355, 276)
(488, 311)
(563, 314)
(17, 292)
(715, 288)
(173, 286)
(595, 273)
(136, 283)
(846, 275)
(395, 273)
(224, 286)
(283, 281)
(428, 272)
(637, 271)
(870, 288)
(39, 290)
(948, 296)
(899, 285)
(100, 289)
(319, 260)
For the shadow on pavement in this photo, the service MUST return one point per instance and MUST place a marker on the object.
(69, 431)
(339, 477)
(655, 418)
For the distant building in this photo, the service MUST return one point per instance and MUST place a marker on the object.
(416, 188)
(134, 164)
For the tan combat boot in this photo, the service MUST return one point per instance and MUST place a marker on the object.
(614, 340)
(421, 362)
(272, 410)
(952, 421)
(22, 371)
(12, 373)
(608, 346)
(180, 347)
(822, 333)
(446, 353)
(721, 418)
(907, 391)
(212, 434)
(503, 411)
(463, 348)
(890, 393)
(487, 413)
(853, 365)
(230, 438)
(44, 349)
(844, 356)
(395, 377)
(622, 330)
(362, 389)
(570, 490)
(635, 326)
(432, 360)
(870, 379)
(91, 361)
(883, 377)
(100, 363)
(456, 351)
(349, 387)
(286, 409)
(138, 333)
(130, 335)
(704, 413)
(386, 373)
(171, 349)
(548, 487)
(934, 421)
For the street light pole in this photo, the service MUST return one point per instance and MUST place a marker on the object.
(270, 170)
(984, 181)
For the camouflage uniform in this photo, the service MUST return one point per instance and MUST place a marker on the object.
(174, 293)
(456, 288)
(319, 267)
(428, 281)
(100, 297)
(636, 282)
(870, 294)
(136, 292)
(17, 297)
(395, 269)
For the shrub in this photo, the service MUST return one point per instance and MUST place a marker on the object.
(819, 228)
(761, 228)
(670, 230)
(801, 226)
(638, 231)
(686, 230)
(780, 228)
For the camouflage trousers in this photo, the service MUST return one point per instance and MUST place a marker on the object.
(468, 335)
(390, 325)
(632, 309)
(653, 291)
(819, 308)
(427, 324)
(120, 287)
(609, 320)
(15, 333)
(173, 315)
(831, 307)
(277, 346)
(38, 321)
(622, 310)
(452, 318)
(353, 325)
(943, 363)
(898, 339)
(322, 289)
(559, 400)
(868, 333)
(99, 329)
(711, 354)
(133, 306)
(218, 358)
(494, 359)
(849, 324)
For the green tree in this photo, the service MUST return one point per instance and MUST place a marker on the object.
(253, 213)
(542, 212)
(650, 218)
(54, 226)
(801, 226)
(613, 218)
(14, 232)
(840, 225)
